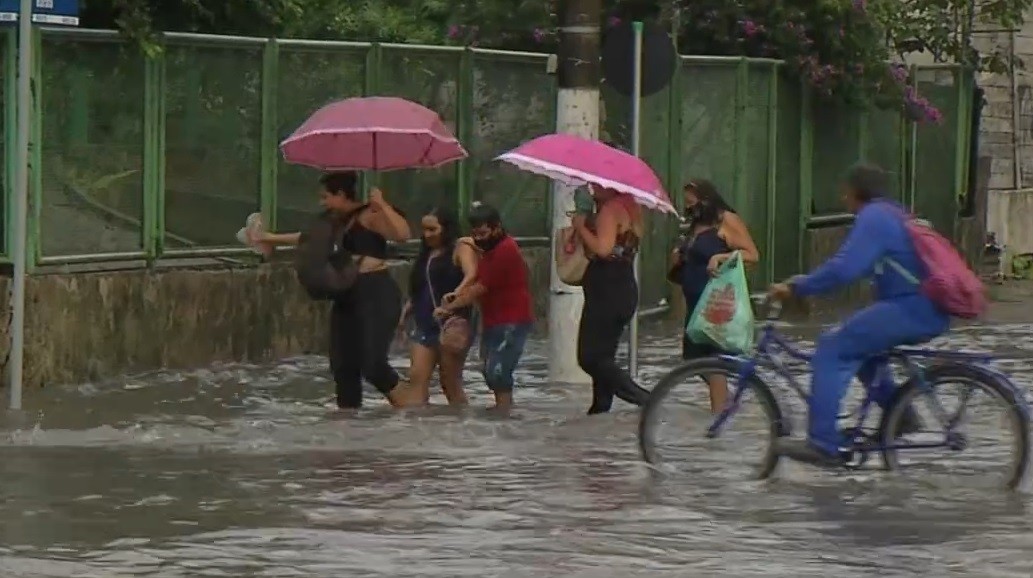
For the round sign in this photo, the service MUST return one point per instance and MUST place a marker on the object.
(658, 58)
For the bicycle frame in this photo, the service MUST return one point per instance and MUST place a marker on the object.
(771, 344)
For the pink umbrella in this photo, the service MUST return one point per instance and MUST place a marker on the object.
(577, 161)
(377, 133)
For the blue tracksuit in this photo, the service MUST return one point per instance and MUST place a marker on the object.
(900, 315)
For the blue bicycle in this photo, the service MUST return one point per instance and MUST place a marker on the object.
(924, 374)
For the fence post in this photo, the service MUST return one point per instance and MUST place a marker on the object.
(152, 227)
(34, 243)
(742, 79)
(674, 116)
(806, 170)
(909, 196)
(371, 88)
(772, 183)
(464, 131)
(961, 144)
(268, 147)
(10, 134)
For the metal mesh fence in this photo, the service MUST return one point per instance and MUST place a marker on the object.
(217, 108)
(836, 147)
(92, 111)
(936, 151)
(513, 100)
(708, 123)
(212, 141)
(784, 253)
(655, 142)
(307, 80)
(430, 77)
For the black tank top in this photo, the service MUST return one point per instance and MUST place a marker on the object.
(359, 240)
(696, 254)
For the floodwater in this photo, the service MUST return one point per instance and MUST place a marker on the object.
(241, 470)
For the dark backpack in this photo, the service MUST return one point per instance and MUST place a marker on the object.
(324, 268)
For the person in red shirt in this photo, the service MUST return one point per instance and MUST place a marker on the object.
(505, 302)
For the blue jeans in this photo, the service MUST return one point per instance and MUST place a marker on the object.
(501, 349)
(847, 351)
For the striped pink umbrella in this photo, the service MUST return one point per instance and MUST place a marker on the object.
(576, 161)
(378, 133)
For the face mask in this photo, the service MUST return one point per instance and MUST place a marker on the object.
(489, 243)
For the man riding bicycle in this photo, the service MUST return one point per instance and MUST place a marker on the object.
(901, 315)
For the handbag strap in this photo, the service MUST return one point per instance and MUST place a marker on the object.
(430, 285)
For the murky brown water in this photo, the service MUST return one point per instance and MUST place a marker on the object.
(241, 471)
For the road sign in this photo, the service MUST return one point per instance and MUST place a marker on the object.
(658, 58)
(53, 12)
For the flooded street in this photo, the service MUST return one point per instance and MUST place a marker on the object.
(241, 470)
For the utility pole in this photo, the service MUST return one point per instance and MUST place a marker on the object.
(577, 112)
(21, 206)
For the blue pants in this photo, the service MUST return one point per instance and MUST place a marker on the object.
(501, 349)
(847, 351)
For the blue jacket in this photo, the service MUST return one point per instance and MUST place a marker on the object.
(878, 233)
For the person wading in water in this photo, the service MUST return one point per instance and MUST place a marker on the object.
(505, 301)
(363, 319)
(611, 296)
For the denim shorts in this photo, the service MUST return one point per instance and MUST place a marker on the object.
(501, 349)
(431, 336)
(425, 336)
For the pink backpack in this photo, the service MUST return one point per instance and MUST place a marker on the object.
(950, 283)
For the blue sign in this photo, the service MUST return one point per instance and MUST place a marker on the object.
(50, 12)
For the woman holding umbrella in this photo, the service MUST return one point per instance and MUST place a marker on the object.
(362, 322)
(374, 134)
(611, 295)
(622, 184)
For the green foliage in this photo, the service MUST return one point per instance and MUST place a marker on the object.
(841, 47)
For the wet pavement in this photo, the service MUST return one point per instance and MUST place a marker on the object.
(241, 470)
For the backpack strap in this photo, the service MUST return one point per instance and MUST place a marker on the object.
(900, 269)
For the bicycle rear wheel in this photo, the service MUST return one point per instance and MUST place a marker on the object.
(963, 410)
(743, 447)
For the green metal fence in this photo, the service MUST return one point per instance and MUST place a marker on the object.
(155, 158)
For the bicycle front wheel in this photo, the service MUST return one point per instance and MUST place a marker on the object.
(676, 433)
(967, 428)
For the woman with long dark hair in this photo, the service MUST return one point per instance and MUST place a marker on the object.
(446, 264)
(363, 320)
(714, 233)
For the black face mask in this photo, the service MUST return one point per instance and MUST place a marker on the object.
(491, 242)
(702, 213)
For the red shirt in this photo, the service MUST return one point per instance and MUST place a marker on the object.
(503, 273)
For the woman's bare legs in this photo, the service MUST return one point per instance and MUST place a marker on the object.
(450, 372)
(422, 360)
(718, 385)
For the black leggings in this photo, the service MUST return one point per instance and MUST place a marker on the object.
(362, 327)
(611, 297)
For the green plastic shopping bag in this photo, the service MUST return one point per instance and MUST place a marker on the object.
(724, 315)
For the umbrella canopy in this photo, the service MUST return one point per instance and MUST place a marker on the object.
(576, 161)
(377, 133)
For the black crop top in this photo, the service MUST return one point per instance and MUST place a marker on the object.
(359, 240)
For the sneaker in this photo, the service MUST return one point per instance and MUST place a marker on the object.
(804, 451)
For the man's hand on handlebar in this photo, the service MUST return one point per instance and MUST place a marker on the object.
(780, 291)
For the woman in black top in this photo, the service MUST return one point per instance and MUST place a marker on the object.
(715, 232)
(363, 322)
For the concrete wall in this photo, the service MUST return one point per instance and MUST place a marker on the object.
(1010, 216)
(88, 326)
(1006, 136)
